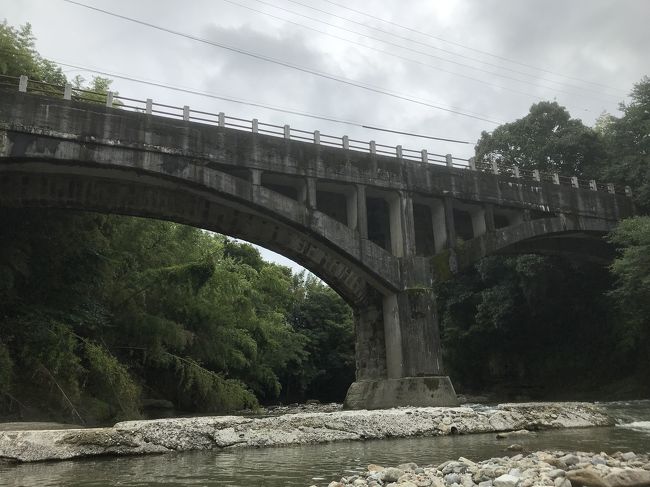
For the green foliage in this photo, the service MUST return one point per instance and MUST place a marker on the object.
(547, 139)
(628, 145)
(109, 381)
(632, 292)
(326, 323)
(524, 321)
(6, 369)
(19, 57)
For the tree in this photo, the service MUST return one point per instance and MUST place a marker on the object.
(547, 139)
(19, 57)
(631, 294)
(628, 145)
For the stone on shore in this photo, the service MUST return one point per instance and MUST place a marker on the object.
(536, 469)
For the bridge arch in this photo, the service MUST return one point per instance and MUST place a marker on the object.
(576, 237)
(265, 189)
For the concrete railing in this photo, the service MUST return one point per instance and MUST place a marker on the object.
(148, 106)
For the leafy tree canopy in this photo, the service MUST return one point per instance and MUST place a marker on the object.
(547, 139)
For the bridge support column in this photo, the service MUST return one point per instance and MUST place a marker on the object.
(413, 374)
(362, 211)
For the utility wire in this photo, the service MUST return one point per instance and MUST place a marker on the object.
(431, 46)
(205, 94)
(286, 64)
(441, 39)
(415, 61)
(412, 50)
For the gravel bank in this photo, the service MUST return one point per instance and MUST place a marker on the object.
(221, 432)
(553, 469)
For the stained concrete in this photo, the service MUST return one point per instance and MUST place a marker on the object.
(384, 232)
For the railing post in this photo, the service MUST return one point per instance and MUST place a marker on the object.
(221, 119)
(22, 84)
(556, 178)
(592, 185)
(109, 99)
(472, 163)
(186, 113)
(317, 137)
(67, 92)
(610, 188)
(425, 156)
(574, 182)
(628, 191)
(398, 151)
(149, 106)
(255, 126)
(449, 160)
(536, 175)
(287, 132)
(515, 170)
(345, 140)
(495, 167)
(373, 147)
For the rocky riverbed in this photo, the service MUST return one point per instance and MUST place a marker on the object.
(225, 432)
(554, 469)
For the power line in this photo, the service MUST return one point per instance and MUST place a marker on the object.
(192, 91)
(286, 64)
(431, 46)
(415, 61)
(441, 39)
(412, 50)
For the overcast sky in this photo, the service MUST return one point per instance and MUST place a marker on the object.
(487, 59)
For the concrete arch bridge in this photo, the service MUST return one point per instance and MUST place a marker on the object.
(378, 225)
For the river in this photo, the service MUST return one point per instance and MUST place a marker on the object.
(320, 464)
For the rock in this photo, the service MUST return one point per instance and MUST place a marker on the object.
(486, 483)
(391, 474)
(555, 473)
(628, 478)
(506, 481)
(375, 468)
(570, 459)
(408, 466)
(587, 477)
(452, 478)
(515, 447)
(335, 484)
(628, 456)
(562, 482)
(510, 434)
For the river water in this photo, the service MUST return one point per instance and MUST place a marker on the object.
(320, 464)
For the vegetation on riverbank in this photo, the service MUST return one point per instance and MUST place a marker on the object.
(102, 314)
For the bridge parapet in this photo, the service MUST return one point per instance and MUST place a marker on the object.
(185, 113)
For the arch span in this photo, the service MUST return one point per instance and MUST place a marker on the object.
(223, 204)
(378, 229)
(570, 236)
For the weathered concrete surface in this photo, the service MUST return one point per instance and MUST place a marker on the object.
(383, 261)
(184, 434)
(408, 391)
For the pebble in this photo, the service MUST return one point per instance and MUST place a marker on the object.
(543, 468)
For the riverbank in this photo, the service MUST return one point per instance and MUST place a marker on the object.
(227, 432)
(556, 468)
